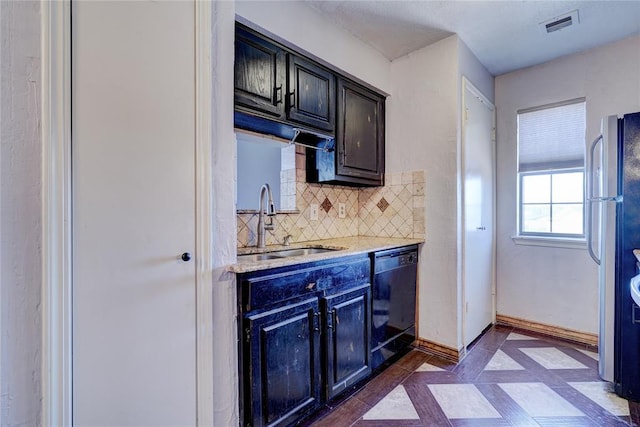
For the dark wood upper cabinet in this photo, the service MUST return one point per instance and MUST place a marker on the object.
(259, 75)
(359, 134)
(278, 90)
(358, 159)
(311, 94)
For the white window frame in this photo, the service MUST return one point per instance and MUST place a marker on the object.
(569, 241)
(550, 235)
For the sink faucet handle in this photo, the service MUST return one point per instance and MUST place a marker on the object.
(271, 211)
(286, 241)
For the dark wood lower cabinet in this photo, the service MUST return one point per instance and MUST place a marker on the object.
(348, 322)
(283, 363)
(305, 337)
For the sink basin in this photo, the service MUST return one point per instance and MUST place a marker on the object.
(301, 251)
(256, 257)
(635, 289)
(284, 253)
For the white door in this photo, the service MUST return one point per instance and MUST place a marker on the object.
(478, 252)
(133, 196)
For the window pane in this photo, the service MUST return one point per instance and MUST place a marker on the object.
(536, 189)
(567, 188)
(567, 219)
(536, 218)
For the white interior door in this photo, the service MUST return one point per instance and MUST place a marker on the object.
(478, 253)
(134, 333)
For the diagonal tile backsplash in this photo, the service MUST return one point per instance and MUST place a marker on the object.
(395, 210)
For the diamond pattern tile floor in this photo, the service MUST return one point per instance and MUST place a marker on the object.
(508, 379)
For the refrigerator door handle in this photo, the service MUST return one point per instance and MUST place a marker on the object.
(617, 199)
(590, 199)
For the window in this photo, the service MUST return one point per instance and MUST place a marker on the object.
(551, 170)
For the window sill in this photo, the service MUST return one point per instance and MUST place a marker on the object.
(552, 242)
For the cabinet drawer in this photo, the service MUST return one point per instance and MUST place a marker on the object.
(263, 288)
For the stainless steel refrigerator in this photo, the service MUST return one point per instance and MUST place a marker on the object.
(613, 232)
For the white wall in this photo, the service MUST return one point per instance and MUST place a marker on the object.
(554, 285)
(422, 134)
(471, 68)
(225, 332)
(20, 220)
(297, 23)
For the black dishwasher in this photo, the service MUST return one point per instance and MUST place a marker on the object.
(393, 302)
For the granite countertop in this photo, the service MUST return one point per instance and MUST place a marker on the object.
(346, 246)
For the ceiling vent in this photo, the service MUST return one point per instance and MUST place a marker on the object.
(560, 22)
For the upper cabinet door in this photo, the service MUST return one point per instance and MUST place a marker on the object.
(311, 94)
(360, 134)
(260, 75)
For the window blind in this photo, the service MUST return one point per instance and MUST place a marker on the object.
(551, 138)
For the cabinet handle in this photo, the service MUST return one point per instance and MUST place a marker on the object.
(186, 257)
(331, 319)
(292, 99)
(310, 286)
(316, 322)
(279, 95)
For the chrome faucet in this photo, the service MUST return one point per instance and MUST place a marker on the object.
(271, 212)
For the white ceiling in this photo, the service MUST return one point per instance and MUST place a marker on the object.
(504, 35)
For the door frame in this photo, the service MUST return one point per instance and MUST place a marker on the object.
(466, 84)
(57, 286)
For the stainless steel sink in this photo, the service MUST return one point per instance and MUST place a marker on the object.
(284, 253)
(256, 257)
(301, 251)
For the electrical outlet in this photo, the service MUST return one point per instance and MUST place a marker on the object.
(342, 210)
(313, 212)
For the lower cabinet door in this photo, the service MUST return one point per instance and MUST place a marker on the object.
(347, 319)
(283, 364)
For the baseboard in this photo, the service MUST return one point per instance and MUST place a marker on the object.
(549, 330)
(440, 350)
(552, 331)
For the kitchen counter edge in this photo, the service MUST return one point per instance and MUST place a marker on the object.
(350, 245)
